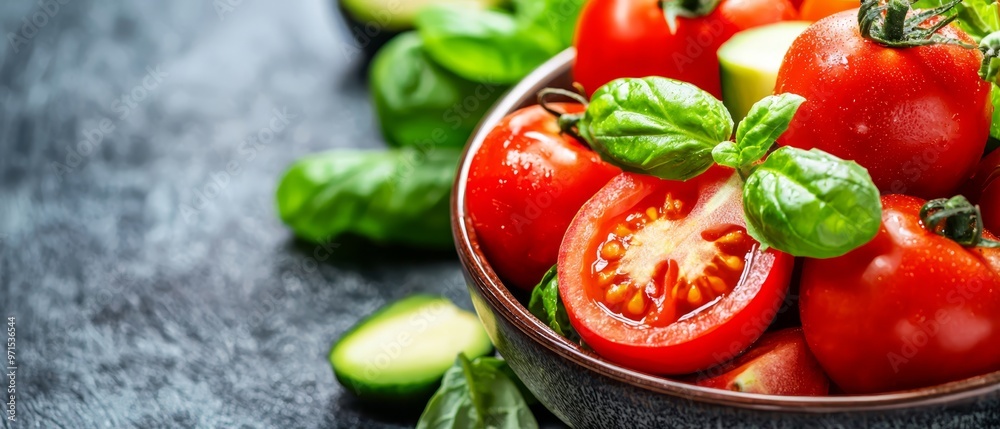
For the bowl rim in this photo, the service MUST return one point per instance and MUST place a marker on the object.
(503, 302)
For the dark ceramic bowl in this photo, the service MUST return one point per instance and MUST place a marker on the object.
(587, 391)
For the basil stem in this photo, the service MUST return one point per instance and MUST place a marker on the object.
(766, 121)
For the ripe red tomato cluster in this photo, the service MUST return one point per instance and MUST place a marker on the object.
(662, 276)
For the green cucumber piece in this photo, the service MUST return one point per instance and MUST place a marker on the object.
(399, 353)
(750, 62)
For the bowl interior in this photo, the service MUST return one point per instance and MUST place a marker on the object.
(556, 73)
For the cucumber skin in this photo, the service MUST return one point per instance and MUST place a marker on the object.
(736, 94)
(406, 395)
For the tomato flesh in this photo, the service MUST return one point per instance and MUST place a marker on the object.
(661, 276)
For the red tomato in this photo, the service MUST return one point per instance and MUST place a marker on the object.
(916, 118)
(984, 189)
(909, 309)
(815, 10)
(779, 364)
(662, 277)
(526, 183)
(631, 38)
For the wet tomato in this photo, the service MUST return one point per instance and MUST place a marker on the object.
(984, 189)
(662, 277)
(917, 118)
(632, 38)
(909, 309)
(780, 363)
(525, 184)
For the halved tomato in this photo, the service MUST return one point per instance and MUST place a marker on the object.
(662, 277)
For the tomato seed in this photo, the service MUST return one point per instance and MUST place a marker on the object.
(617, 294)
(612, 251)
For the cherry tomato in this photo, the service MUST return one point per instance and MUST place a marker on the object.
(662, 277)
(526, 183)
(780, 363)
(909, 309)
(916, 118)
(815, 10)
(631, 38)
(984, 189)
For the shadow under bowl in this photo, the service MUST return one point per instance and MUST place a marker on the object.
(586, 391)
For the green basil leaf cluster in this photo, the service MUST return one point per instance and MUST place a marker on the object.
(547, 306)
(495, 46)
(422, 103)
(397, 196)
(767, 120)
(656, 126)
(804, 203)
(811, 204)
(478, 394)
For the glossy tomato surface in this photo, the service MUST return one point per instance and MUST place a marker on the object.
(909, 309)
(916, 118)
(984, 190)
(780, 363)
(526, 183)
(815, 10)
(631, 38)
(661, 276)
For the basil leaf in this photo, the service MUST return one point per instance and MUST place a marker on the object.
(547, 306)
(766, 121)
(396, 196)
(556, 17)
(811, 204)
(420, 102)
(477, 394)
(979, 18)
(483, 45)
(656, 126)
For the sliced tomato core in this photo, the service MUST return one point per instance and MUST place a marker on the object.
(657, 266)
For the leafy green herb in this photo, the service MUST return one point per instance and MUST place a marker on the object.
(811, 203)
(483, 45)
(547, 306)
(397, 196)
(419, 102)
(477, 394)
(556, 17)
(656, 126)
(766, 121)
(977, 17)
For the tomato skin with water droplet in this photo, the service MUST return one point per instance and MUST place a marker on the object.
(525, 184)
(696, 232)
(910, 309)
(917, 118)
(631, 38)
(984, 189)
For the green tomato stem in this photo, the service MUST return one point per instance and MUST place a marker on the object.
(895, 20)
(956, 219)
(990, 47)
(893, 26)
(567, 121)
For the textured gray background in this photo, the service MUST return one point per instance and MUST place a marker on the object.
(151, 287)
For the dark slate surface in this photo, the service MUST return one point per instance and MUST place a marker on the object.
(152, 284)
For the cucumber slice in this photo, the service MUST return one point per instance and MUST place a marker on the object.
(750, 63)
(400, 352)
